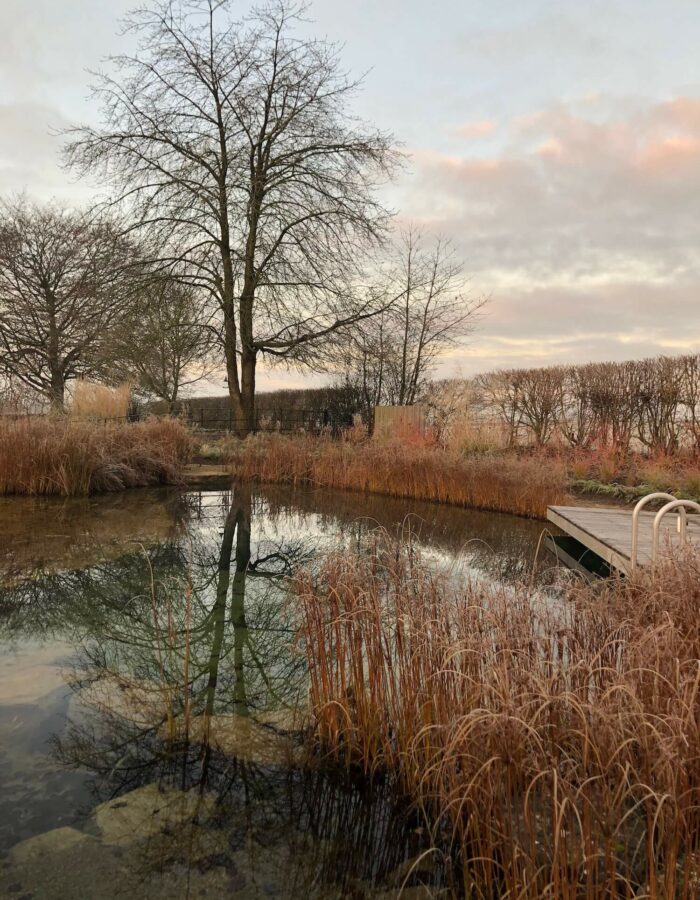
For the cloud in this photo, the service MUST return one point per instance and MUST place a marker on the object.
(540, 325)
(584, 227)
(30, 153)
(479, 129)
(573, 198)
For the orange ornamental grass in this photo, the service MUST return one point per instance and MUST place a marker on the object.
(522, 486)
(57, 455)
(100, 401)
(552, 742)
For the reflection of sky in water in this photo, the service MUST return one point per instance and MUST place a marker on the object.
(144, 597)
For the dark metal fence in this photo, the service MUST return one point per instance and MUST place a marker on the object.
(290, 420)
(283, 420)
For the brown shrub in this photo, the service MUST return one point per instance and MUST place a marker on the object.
(552, 744)
(504, 484)
(56, 455)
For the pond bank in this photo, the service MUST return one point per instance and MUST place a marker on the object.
(57, 455)
(520, 486)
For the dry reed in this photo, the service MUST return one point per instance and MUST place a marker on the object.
(100, 401)
(553, 745)
(504, 484)
(56, 455)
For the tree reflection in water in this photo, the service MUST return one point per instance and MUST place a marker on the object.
(185, 673)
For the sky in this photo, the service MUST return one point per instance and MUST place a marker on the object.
(556, 143)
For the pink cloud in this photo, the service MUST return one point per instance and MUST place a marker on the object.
(669, 154)
(550, 147)
(603, 193)
(482, 128)
(683, 112)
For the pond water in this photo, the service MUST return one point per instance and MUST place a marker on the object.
(152, 696)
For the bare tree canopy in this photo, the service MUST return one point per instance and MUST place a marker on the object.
(61, 294)
(236, 139)
(166, 343)
(392, 357)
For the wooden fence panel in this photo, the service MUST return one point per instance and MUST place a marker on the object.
(398, 421)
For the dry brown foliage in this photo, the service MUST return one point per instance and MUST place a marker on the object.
(553, 743)
(417, 471)
(100, 401)
(57, 455)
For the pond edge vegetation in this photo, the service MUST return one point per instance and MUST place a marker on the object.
(63, 456)
(510, 484)
(552, 747)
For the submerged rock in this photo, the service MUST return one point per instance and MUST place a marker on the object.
(56, 841)
(421, 867)
(417, 892)
(143, 703)
(246, 738)
(66, 864)
(149, 811)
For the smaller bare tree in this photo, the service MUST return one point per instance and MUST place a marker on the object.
(167, 343)
(62, 293)
(434, 312)
(392, 355)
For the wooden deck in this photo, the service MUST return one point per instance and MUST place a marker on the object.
(608, 531)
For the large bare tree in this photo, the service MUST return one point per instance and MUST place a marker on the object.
(62, 292)
(236, 139)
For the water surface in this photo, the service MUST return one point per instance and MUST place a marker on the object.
(153, 698)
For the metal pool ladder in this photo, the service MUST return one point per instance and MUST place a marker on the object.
(682, 524)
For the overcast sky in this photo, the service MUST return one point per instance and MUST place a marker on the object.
(556, 142)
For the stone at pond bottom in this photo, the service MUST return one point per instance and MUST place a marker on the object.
(245, 738)
(418, 892)
(56, 841)
(149, 811)
(66, 864)
(420, 867)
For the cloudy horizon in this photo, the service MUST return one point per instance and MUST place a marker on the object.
(557, 147)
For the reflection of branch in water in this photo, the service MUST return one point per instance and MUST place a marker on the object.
(308, 826)
(173, 649)
(225, 661)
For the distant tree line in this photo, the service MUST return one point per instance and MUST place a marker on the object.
(651, 404)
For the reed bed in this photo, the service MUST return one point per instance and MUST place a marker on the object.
(91, 400)
(58, 455)
(421, 472)
(552, 744)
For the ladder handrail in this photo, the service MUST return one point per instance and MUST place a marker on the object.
(681, 505)
(658, 495)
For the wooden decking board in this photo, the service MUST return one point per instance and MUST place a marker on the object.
(608, 532)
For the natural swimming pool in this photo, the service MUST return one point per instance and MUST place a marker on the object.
(152, 694)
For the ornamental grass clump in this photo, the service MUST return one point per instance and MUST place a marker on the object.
(59, 455)
(551, 742)
(522, 486)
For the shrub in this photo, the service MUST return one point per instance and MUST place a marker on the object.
(505, 484)
(56, 455)
(553, 745)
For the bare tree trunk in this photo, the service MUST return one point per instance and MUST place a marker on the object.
(242, 503)
(58, 390)
(248, 362)
(234, 390)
